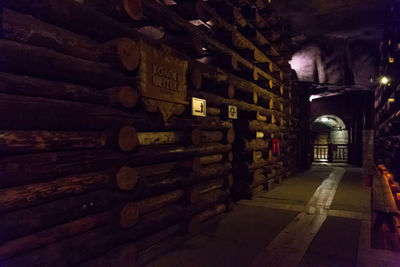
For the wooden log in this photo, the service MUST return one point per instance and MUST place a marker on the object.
(206, 160)
(26, 29)
(157, 202)
(127, 138)
(213, 170)
(190, 45)
(208, 200)
(251, 98)
(121, 10)
(209, 185)
(194, 225)
(211, 136)
(31, 113)
(39, 141)
(250, 145)
(22, 222)
(72, 15)
(122, 96)
(192, 10)
(226, 62)
(132, 254)
(257, 126)
(122, 52)
(23, 28)
(159, 184)
(129, 215)
(30, 168)
(88, 245)
(163, 138)
(252, 15)
(33, 168)
(231, 14)
(44, 237)
(19, 58)
(213, 111)
(147, 155)
(27, 195)
(230, 135)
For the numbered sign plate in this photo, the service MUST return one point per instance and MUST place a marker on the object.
(198, 107)
(232, 112)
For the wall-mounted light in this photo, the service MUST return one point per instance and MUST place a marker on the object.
(391, 59)
(391, 100)
(384, 80)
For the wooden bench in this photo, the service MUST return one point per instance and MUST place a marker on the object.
(383, 203)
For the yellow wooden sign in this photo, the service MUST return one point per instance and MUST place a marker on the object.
(162, 79)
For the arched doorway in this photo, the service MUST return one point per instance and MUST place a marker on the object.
(330, 139)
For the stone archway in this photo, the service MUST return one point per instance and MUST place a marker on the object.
(330, 139)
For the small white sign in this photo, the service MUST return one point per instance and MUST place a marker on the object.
(232, 112)
(198, 107)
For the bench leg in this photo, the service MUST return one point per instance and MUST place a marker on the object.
(378, 222)
(390, 223)
(384, 218)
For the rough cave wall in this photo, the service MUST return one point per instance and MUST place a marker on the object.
(337, 61)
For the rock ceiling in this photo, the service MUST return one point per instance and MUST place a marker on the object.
(335, 41)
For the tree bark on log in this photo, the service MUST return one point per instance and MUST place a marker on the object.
(44, 237)
(147, 155)
(31, 113)
(157, 202)
(122, 96)
(40, 141)
(48, 64)
(31, 168)
(192, 10)
(246, 146)
(164, 138)
(214, 170)
(190, 45)
(26, 29)
(27, 195)
(209, 185)
(22, 222)
(89, 245)
(206, 160)
(120, 10)
(209, 199)
(72, 15)
(211, 136)
(123, 53)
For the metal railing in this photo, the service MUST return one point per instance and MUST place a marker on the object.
(321, 152)
(331, 153)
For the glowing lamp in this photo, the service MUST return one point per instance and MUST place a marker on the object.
(384, 80)
(391, 100)
(391, 59)
(324, 119)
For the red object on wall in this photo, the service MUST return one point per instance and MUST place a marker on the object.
(275, 146)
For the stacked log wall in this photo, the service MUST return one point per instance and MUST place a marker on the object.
(88, 166)
(387, 95)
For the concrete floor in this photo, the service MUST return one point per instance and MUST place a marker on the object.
(317, 218)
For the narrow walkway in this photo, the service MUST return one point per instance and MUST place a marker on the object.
(317, 218)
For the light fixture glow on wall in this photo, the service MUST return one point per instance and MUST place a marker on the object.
(384, 80)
